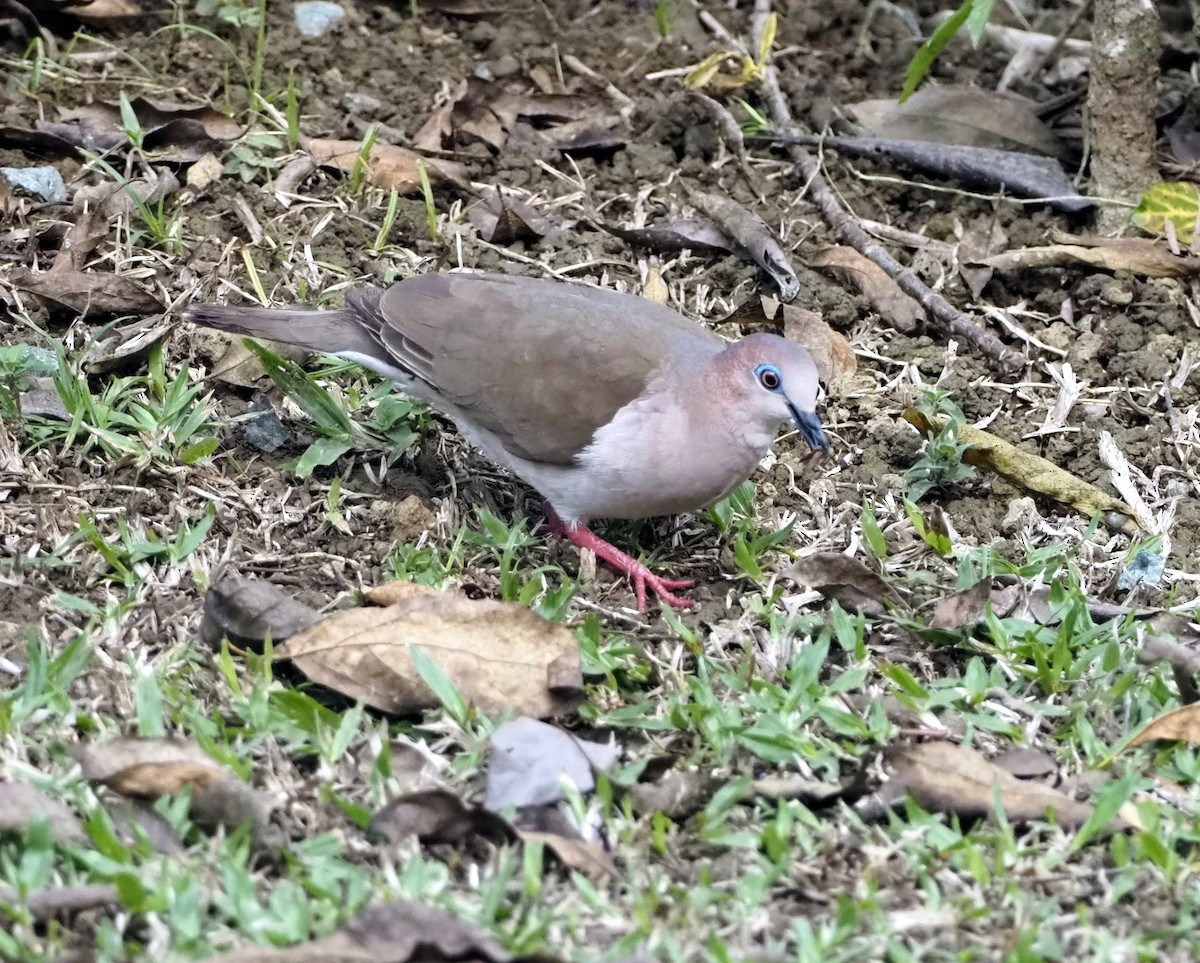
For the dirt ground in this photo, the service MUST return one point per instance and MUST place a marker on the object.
(1125, 337)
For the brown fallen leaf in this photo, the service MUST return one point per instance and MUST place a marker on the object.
(146, 768)
(62, 901)
(503, 220)
(89, 294)
(1030, 471)
(1179, 725)
(550, 826)
(960, 114)
(250, 611)
(951, 778)
(484, 114)
(844, 580)
(962, 609)
(898, 309)
(89, 229)
(577, 854)
(21, 804)
(1026, 763)
(501, 656)
(438, 816)
(830, 350)
(1138, 255)
(388, 166)
(399, 931)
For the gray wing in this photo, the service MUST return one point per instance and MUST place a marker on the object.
(538, 363)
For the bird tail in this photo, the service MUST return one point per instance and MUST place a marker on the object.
(330, 332)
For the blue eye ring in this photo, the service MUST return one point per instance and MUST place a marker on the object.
(769, 377)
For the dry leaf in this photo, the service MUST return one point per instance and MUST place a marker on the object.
(832, 353)
(438, 816)
(845, 580)
(529, 760)
(388, 166)
(145, 768)
(62, 901)
(501, 656)
(1026, 469)
(1138, 255)
(676, 234)
(126, 344)
(149, 768)
(502, 220)
(250, 611)
(88, 293)
(577, 854)
(895, 307)
(962, 609)
(752, 235)
(1026, 763)
(21, 804)
(395, 932)
(959, 114)
(951, 778)
(1180, 725)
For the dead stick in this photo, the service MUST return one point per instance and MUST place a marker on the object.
(948, 317)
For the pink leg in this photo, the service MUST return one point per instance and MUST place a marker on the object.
(641, 576)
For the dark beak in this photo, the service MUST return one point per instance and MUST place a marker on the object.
(809, 426)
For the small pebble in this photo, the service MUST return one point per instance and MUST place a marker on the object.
(316, 17)
(45, 183)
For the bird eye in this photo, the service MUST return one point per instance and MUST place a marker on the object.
(769, 377)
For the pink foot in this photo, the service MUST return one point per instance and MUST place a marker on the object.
(641, 576)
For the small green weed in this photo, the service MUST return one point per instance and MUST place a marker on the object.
(941, 465)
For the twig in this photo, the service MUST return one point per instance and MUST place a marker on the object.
(941, 311)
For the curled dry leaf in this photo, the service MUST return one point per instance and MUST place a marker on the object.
(500, 656)
(1028, 470)
(752, 235)
(395, 932)
(844, 580)
(85, 235)
(503, 219)
(438, 816)
(1180, 725)
(529, 760)
(898, 309)
(126, 344)
(250, 611)
(387, 166)
(950, 778)
(1138, 255)
(676, 234)
(21, 804)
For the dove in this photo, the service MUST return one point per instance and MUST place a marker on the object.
(608, 404)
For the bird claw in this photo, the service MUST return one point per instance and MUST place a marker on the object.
(664, 588)
(639, 574)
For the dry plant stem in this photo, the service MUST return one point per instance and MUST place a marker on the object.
(941, 311)
(1122, 94)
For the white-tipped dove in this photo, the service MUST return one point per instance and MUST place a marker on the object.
(608, 404)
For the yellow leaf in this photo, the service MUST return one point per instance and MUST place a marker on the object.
(767, 40)
(703, 73)
(1174, 201)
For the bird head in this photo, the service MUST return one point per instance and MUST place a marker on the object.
(776, 381)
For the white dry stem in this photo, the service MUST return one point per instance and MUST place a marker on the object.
(1123, 480)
